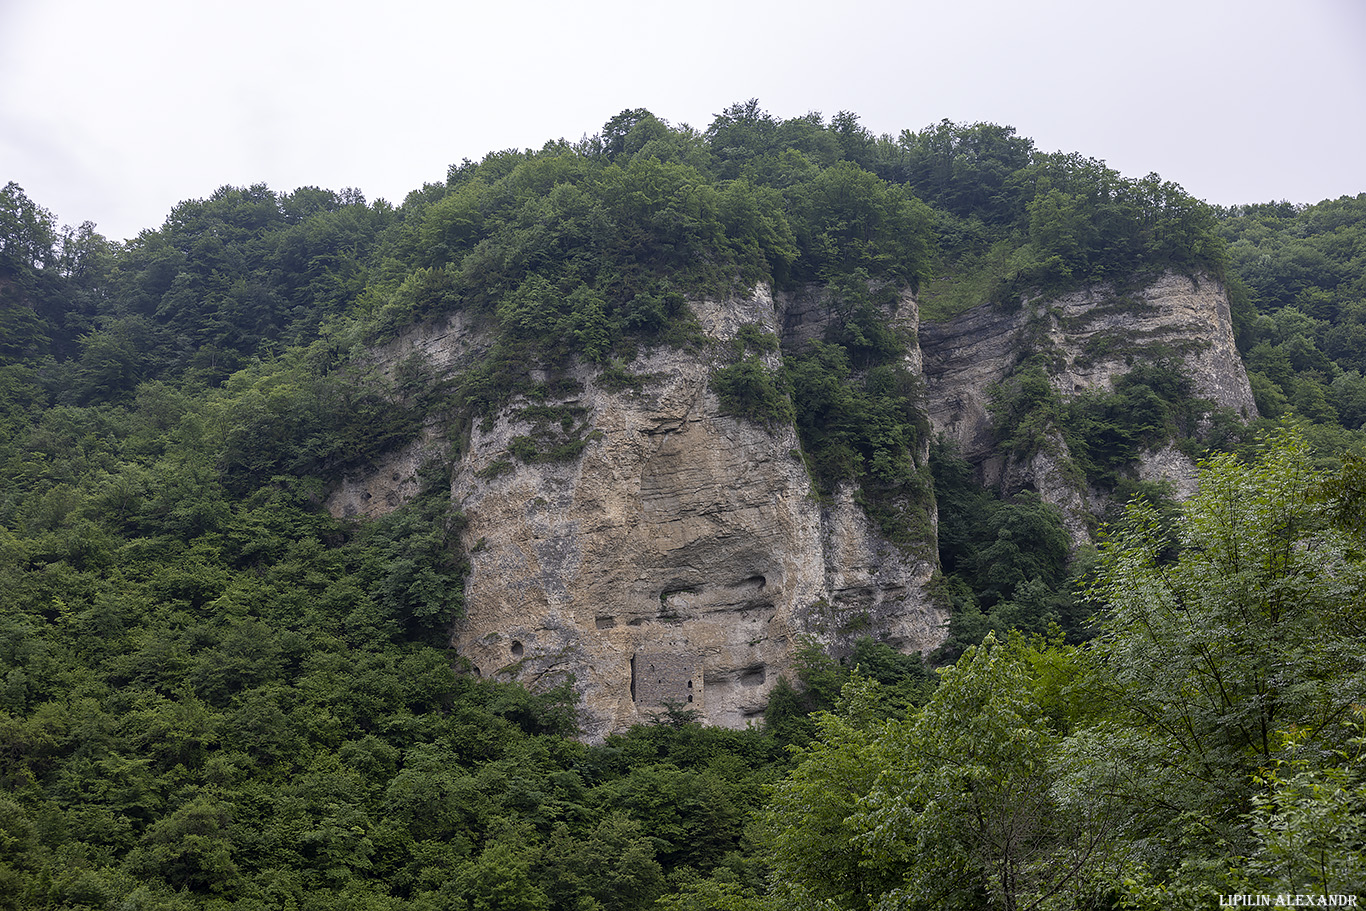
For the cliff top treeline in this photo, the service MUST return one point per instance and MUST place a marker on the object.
(594, 242)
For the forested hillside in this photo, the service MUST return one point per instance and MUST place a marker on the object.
(215, 694)
(1302, 272)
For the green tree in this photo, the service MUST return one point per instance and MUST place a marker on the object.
(980, 797)
(612, 865)
(1309, 822)
(498, 880)
(1253, 630)
(747, 389)
(27, 271)
(190, 848)
(983, 798)
(816, 849)
(967, 168)
(846, 220)
(1204, 648)
(740, 134)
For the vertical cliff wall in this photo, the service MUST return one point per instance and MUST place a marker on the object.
(682, 557)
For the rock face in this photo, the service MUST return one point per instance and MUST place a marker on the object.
(1091, 338)
(442, 348)
(681, 557)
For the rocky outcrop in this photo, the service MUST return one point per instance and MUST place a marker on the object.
(682, 557)
(1090, 337)
(393, 482)
(437, 348)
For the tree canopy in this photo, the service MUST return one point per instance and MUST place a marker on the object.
(1207, 743)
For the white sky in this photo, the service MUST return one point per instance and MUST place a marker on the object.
(114, 112)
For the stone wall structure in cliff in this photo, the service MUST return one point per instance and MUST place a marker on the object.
(666, 679)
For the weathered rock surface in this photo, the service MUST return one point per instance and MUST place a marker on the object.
(681, 558)
(1092, 337)
(439, 348)
(683, 555)
(393, 482)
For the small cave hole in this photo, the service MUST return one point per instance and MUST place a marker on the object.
(517, 649)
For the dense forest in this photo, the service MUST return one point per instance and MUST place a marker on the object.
(214, 694)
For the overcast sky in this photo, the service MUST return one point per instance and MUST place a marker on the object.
(114, 112)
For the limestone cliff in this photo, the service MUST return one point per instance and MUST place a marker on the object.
(682, 557)
(1091, 337)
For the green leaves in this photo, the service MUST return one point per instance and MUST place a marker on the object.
(1086, 223)
(971, 804)
(748, 389)
(847, 220)
(971, 799)
(814, 823)
(1310, 821)
(854, 426)
(419, 570)
(1254, 629)
(1203, 647)
(1205, 744)
(190, 848)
